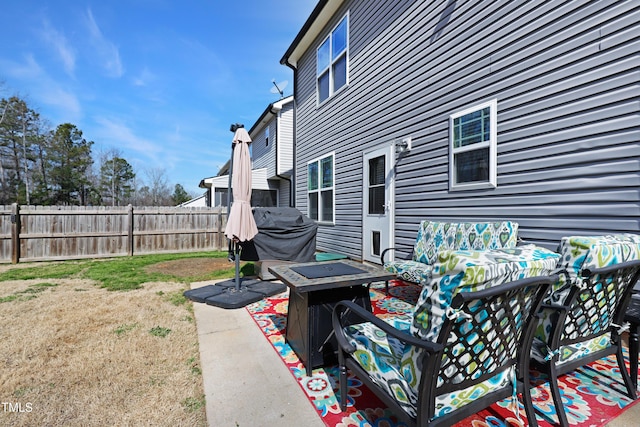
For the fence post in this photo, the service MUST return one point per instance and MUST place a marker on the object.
(15, 233)
(130, 231)
(219, 229)
(222, 239)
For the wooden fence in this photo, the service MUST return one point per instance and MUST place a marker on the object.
(46, 233)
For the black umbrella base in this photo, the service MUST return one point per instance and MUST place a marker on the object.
(227, 295)
(201, 294)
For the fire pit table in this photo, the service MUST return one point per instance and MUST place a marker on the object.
(314, 289)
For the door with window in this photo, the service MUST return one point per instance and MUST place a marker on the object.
(378, 203)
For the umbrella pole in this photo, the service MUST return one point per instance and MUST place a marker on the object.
(237, 261)
(230, 250)
(234, 247)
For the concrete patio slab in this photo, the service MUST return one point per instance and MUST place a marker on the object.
(245, 382)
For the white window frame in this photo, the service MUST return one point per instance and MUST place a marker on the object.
(320, 189)
(491, 144)
(330, 67)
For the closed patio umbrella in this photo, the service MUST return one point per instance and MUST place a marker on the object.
(241, 227)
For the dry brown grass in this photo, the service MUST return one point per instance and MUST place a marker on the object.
(74, 354)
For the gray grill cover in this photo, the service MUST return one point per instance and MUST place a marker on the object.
(284, 234)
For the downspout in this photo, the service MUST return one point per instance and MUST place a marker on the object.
(291, 189)
(292, 199)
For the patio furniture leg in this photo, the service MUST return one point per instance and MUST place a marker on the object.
(633, 352)
(528, 408)
(628, 382)
(528, 402)
(557, 398)
(633, 317)
(343, 383)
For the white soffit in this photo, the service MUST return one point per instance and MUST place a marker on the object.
(314, 30)
(258, 180)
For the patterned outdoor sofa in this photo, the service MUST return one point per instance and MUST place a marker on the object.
(393, 353)
(434, 236)
(582, 318)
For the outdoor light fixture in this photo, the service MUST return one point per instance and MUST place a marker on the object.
(236, 126)
(403, 145)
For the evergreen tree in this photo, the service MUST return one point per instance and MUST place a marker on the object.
(180, 195)
(40, 166)
(18, 131)
(116, 180)
(70, 160)
(40, 193)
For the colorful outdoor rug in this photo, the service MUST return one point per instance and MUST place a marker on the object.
(591, 398)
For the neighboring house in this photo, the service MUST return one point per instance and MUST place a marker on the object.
(196, 202)
(272, 160)
(272, 148)
(526, 111)
(217, 188)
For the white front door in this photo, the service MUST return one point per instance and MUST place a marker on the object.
(378, 202)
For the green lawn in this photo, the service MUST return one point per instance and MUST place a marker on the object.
(125, 273)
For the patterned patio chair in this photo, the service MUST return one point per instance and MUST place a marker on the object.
(434, 237)
(581, 321)
(463, 350)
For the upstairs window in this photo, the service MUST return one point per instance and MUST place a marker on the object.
(320, 189)
(266, 136)
(472, 148)
(332, 61)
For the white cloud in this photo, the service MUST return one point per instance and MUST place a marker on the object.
(105, 49)
(120, 135)
(29, 70)
(66, 103)
(44, 89)
(144, 78)
(60, 45)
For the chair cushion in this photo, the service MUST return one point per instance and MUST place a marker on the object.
(381, 356)
(464, 271)
(580, 252)
(401, 322)
(458, 271)
(432, 237)
(482, 236)
(410, 271)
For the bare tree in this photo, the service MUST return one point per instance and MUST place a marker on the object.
(159, 188)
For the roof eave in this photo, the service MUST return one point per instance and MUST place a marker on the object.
(322, 13)
(269, 112)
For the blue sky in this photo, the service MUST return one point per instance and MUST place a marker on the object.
(158, 80)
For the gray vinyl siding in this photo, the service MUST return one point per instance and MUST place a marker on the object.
(277, 155)
(284, 189)
(263, 155)
(565, 74)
